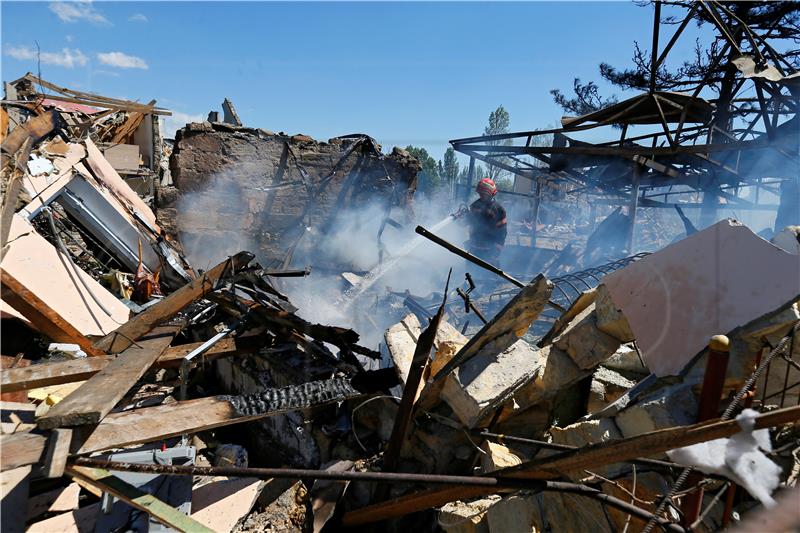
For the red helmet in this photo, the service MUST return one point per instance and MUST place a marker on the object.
(486, 186)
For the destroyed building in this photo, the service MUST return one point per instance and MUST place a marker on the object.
(189, 328)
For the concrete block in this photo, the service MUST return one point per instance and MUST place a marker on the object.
(669, 407)
(487, 380)
(590, 432)
(515, 513)
(466, 517)
(607, 386)
(497, 456)
(627, 361)
(584, 342)
(610, 319)
(556, 371)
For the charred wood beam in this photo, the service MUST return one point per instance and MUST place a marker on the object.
(654, 51)
(169, 420)
(419, 361)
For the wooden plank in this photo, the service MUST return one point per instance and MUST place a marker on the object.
(8, 362)
(3, 124)
(99, 394)
(21, 449)
(17, 413)
(405, 412)
(47, 374)
(138, 499)
(34, 129)
(58, 373)
(8, 209)
(123, 337)
(55, 501)
(578, 306)
(43, 317)
(587, 457)
(85, 96)
(221, 504)
(151, 424)
(14, 488)
(81, 520)
(55, 458)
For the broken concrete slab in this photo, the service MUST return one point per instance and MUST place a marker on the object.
(584, 342)
(466, 517)
(589, 432)
(626, 361)
(610, 319)
(676, 299)
(497, 456)
(788, 239)
(673, 406)
(510, 324)
(607, 386)
(401, 342)
(556, 371)
(547, 511)
(476, 388)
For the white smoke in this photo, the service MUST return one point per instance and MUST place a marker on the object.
(217, 221)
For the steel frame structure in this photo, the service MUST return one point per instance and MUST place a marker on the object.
(716, 147)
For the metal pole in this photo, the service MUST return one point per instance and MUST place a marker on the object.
(301, 473)
(713, 383)
(537, 198)
(468, 256)
(478, 261)
(637, 169)
(378, 477)
(470, 178)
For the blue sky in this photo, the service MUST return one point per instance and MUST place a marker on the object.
(405, 73)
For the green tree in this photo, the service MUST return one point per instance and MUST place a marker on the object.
(499, 120)
(449, 171)
(587, 98)
(428, 178)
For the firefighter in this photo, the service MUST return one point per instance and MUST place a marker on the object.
(487, 223)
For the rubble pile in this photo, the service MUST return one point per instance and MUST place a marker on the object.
(159, 372)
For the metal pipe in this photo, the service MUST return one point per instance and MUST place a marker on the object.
(468, 256)
(377, 477)
(566, 447)
(288, 273)
(300, 473)
(595, 494)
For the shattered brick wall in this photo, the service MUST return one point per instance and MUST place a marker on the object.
(272, 191)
